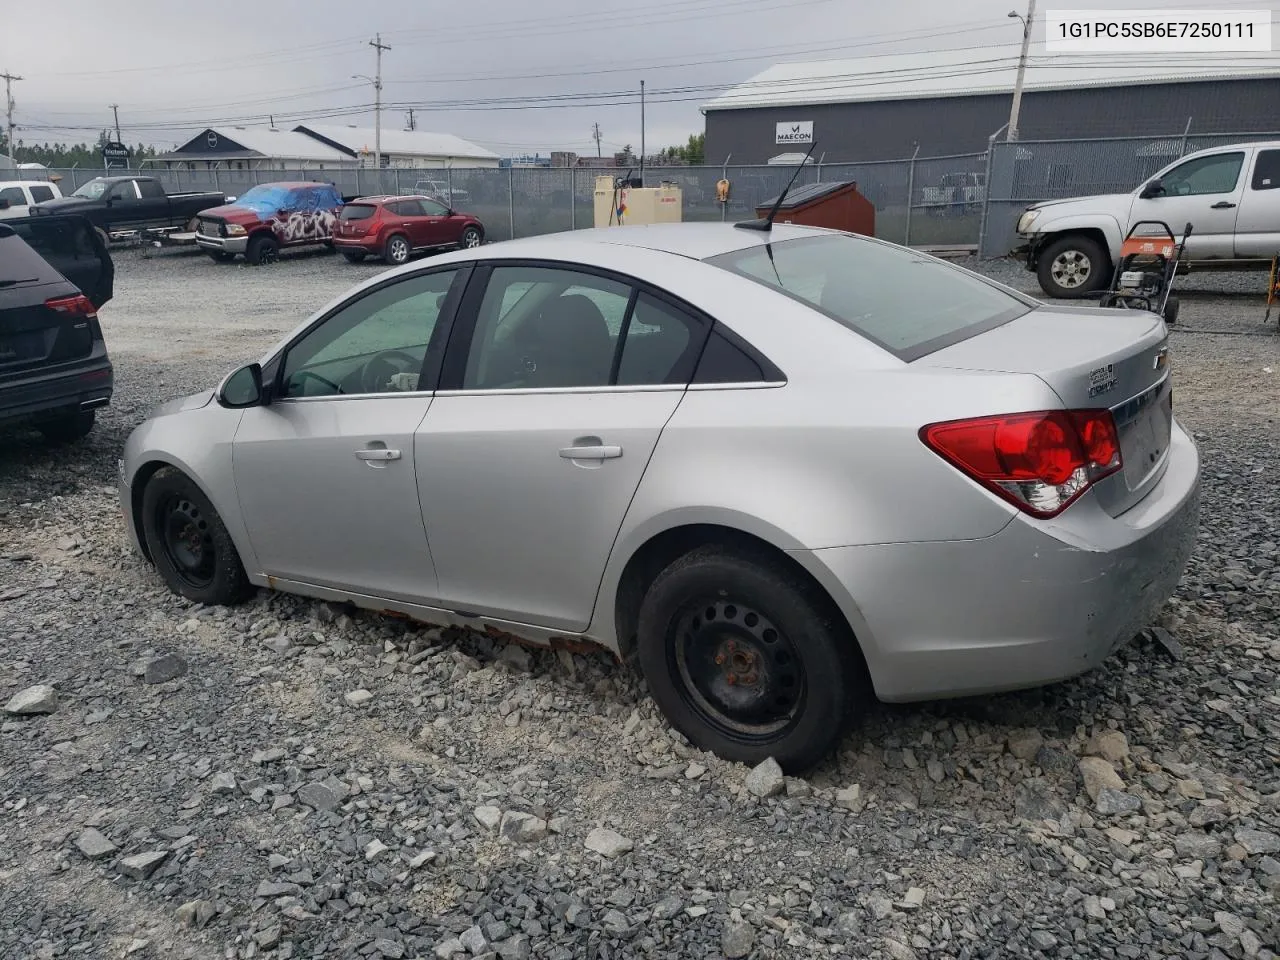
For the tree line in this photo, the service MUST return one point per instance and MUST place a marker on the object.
(70, 155)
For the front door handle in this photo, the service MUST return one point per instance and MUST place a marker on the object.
(1222, 205)
(595, 451)
(377, 454)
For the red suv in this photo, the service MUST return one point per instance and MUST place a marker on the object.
(396, 227)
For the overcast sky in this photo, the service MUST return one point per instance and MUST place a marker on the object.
(563, 65)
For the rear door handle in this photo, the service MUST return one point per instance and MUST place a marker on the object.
(1222, 205)
(594, 451)
(377, 454)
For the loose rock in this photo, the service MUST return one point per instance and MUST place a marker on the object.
(607, 843)
(41, 698)
(166, 668)
(766, 779)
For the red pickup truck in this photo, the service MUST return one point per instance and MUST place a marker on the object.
(267, 218)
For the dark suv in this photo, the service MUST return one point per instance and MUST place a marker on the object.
(54, 371)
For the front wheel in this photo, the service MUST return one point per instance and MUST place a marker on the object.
(471, 237)
(1073, 267)
(262, 250)
(188, 542)
(747, 660)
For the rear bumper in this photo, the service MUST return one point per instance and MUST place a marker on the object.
(223, 244)
(85, 387)
(1036, 603)
(363, 244)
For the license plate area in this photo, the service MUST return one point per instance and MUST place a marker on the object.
(1145, 425)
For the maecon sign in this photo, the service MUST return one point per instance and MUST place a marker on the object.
(801, 132)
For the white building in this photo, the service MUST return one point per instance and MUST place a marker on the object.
(401, 148)
(256, 148)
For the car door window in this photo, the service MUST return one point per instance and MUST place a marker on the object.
(151, 189)
(123, 192)
(14, 195)
(41, 194)
(377, 344)
(1204, 175)
(661, 346)
(407, 208)
(433, 208)
(1266, 170)
(560, 330)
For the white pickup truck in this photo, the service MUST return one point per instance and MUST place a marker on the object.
(1230, 195)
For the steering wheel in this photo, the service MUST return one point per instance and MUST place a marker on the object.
(374, 380)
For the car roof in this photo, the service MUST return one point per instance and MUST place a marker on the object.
(26, 183)
(390, 197)
(697, 241)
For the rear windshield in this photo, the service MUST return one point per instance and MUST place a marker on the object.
(356, 211)
(905, 302)
(20, 265)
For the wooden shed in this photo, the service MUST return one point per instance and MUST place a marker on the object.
(837, 205)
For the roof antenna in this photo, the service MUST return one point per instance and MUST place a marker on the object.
(765, 225)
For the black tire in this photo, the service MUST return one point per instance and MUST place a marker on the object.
(397, 250)
(748, 660)
(1171, 310)
(103, 236)
(471, 237)
(353, 256)
(262, 250)
(1073, 267)
(220, 256)
(68, 427)
(188, 543)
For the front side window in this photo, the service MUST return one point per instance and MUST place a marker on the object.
(124, 191)
(14, 195)
(1266, 170)
(378, 344)
(1204, 175)
(150, 189)
(906, 302)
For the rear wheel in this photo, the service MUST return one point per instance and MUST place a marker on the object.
(1072, 267)
(67, 427)
(471, 237)
(746, 659)
(1171, 311)
(188, 542)
(397, 249)
(353, 256)
(262, 250)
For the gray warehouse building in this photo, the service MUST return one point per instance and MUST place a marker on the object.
(951, 102)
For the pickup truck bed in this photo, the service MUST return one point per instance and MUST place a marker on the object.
(132, 203)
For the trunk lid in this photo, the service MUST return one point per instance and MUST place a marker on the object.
(33, 334)
(1091, 358)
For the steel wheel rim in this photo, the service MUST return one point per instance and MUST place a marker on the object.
(736, 669)
(1071, 268)
(399, 250)
(187, 540)
(471, 239)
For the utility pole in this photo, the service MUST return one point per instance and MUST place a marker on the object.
(642, 133)
(411, 125)
(8, 98)
(595, 134)
(379, 46)
(115, 111)
(1022, 66)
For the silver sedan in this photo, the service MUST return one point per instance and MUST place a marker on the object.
(791, 470)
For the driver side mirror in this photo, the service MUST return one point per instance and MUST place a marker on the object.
(1153, 189)
(243, 388)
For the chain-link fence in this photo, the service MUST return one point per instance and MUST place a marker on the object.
(967, 200)
(1032, 171)
(920, 201)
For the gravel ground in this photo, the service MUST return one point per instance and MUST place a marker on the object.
(287, 780)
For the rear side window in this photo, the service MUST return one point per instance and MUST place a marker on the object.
(901, 300)
(41, 194)
(1266, 170)
(14, 195)
(356, 211)
(19, 264)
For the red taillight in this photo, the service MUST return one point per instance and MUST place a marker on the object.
(1040, 462)
(77, 306)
